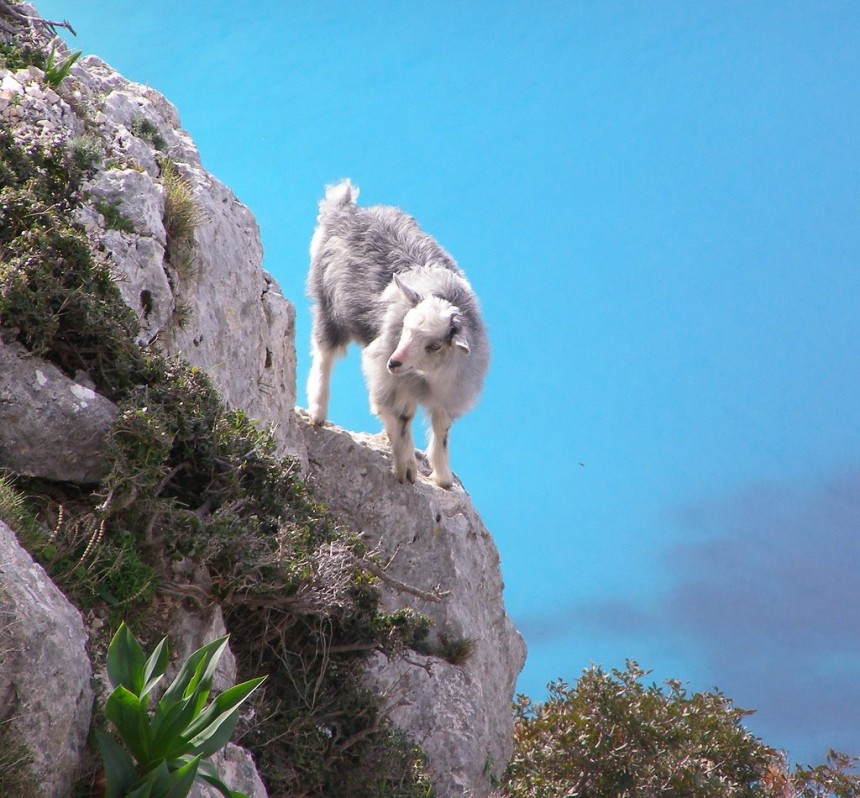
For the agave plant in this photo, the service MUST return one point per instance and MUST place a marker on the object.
(164, 752)
(57, 71)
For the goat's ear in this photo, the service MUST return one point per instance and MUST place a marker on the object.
(461, 343)
(410, 293)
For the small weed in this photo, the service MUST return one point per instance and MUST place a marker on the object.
(181, 217)
(86, 153)
(113, 216)
(456, 650)
(16, 777)
(142, 128)
(14, 57)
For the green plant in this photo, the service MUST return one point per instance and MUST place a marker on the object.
(14, 57)
(56, 294)
(87, 154)
(16, 777)
(181, 216)
(113, 216)
(838, 777)
(163, 753)
(142, 128)
(610, 736)
(57, 71)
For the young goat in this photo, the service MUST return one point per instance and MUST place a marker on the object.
(378, 279)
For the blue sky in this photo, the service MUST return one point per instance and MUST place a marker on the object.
(658, 204)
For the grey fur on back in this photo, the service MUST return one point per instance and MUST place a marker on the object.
(359, 251)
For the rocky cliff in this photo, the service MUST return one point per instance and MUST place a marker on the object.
(197, 291)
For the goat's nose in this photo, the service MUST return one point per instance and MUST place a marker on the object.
(393, 364)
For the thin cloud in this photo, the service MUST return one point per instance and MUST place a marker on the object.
(766, 594)
(770, 593)
(618, 615)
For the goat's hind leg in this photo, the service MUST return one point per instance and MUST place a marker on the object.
(319, 378)
(398, 426)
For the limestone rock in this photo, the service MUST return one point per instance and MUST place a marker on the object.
(223, 312)
(45, 693)
(237, 770)
(435, 541)
(50, 426)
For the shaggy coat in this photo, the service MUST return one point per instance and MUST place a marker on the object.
(378, 279)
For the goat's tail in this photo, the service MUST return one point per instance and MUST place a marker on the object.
(339, 196)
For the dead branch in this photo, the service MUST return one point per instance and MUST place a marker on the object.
(436, 596)
(20, 19)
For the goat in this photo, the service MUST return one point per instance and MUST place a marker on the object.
(377, 278)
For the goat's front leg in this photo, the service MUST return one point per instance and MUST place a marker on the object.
(399, 429)
(437, 448)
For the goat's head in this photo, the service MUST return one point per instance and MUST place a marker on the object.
(431, 336)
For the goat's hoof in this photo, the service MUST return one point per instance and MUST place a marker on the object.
(442, 480)
(408, 474)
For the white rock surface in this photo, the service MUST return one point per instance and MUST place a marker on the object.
(434, 540)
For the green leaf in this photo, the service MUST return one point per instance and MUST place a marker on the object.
(155, 667)
(128, 713)
(182, 779)
(120, 772)
(212, 730)
(144, 791)
(208, 774)
(170, 728)
(196, 672)
(125, 661)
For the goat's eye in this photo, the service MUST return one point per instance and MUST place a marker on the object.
(434, 347)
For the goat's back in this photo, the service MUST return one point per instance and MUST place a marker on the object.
(355, 252)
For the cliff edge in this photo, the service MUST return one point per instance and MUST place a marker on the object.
(202, 296)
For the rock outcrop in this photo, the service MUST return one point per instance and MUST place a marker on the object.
(45, 692)
(437, 546)
(52, 427)
(222, 312)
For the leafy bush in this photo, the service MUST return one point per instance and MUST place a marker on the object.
(14, 57)
(59, 298)
(610, 736)
(164, 752)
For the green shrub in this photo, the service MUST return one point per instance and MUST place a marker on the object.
(181, 217)
(14, 57)
(58, 297)
(87, 154)
(610, 736)
(164, 752)
(142, 128)
(113, 216)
